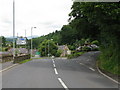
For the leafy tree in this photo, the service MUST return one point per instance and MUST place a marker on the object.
(48, 47)
(99, 22)
(67, 34)
(3, 39)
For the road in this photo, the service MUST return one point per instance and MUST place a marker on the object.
(57, 73)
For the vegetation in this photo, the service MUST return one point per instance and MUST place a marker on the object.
(102, 20)
(99, 22)
(48, 47)
(89, 23)
(75, 54)
(25, 61)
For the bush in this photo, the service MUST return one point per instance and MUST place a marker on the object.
(58, 53)
(70, 56)
(95, 49)
(86, 48)
(76, 54)
(96, 42)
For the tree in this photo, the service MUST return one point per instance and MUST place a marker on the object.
(67, 34)
(99, 22)
(48, 47)
(3, 39)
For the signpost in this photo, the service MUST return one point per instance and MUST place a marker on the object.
(21, 41)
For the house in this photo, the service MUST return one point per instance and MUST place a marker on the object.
(65, 50)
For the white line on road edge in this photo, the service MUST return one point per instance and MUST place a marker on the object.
(91, 69)
(63, 84)
(8, 68)
(55, 71)
(107, 76)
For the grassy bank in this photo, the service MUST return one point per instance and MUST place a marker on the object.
(109, 60)
(27, 60)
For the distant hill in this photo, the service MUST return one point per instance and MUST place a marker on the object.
(11, 38)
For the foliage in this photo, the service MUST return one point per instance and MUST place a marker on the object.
(3, 39)
(59, 52)
(67, 34)
(74, 55)
(99, 22)
(48, 47)
(85, 48)
(71, 47)
(24, 61)
(96, 42)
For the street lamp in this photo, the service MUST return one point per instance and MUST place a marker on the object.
(13, 30)
(31, 40)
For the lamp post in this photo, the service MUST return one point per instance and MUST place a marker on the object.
(31, 40)
(13, 30)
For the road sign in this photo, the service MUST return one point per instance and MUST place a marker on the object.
(37, 53)
(21, 41)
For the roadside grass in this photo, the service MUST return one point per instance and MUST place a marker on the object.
(109, 60)
(24, 61)
(75, 54)
(109, 66)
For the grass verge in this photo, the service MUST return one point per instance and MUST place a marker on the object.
(24, 61)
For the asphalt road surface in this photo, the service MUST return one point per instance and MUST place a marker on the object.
(58, 73)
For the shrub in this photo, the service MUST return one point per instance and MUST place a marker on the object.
(86, 48)
(58, 53)
(76, 54)
(95, 49)
(96, 42)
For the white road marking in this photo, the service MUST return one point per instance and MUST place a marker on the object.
(8, 68)
(55, 71)
(107, 76)
(82, 64)
(53, 61)
(91, 69)
(63, 84)
(54, 65)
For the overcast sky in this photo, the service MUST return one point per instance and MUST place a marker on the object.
(46, 15)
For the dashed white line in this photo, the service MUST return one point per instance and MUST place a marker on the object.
(91, 69)
(82, 64)
(53, 61)
(56, 72)
(63, 84)
(54, 65)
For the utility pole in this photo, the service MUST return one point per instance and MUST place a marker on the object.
(13, 31)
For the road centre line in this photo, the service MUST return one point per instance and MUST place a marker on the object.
(88, 67)
(53, 61)
(82, 64)
(54, 65)
(63, 84)
(56, 72)
(91, 69)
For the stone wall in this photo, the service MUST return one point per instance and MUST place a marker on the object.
(17, 59)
